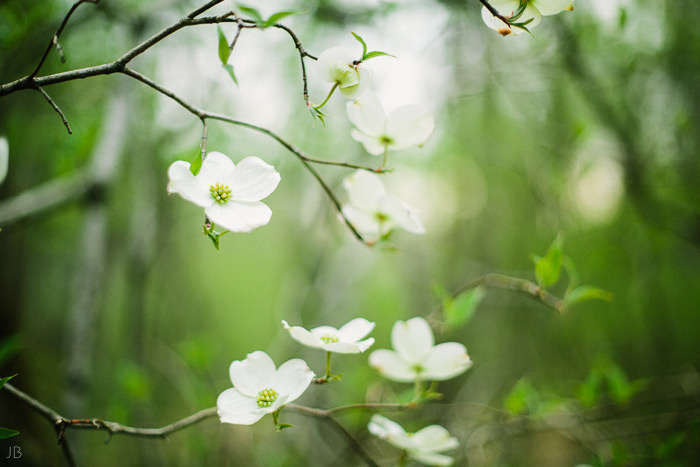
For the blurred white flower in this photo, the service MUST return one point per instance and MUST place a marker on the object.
(423, 445)
(338, 65)
(375, 213)
(343, 340)
(534, 11)
(4, 157)
(259, 388)
(229, 194)
(415, 357)
(406, 126)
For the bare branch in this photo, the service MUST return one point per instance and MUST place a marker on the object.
(495, 12)
(54, 39)
(56, 108)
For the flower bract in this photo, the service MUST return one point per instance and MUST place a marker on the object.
(423, 446)
(347, 339)
(532, 14)
(375, 213)
(415, 357)
(339, 65)
(230, 194)
(259, 388)
(403, 128)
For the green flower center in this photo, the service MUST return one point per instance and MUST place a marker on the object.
(385, 140)
(220, 193)
(329, 339)
(381, 217)
(266, 397)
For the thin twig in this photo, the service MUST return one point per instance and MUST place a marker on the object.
(303, 158)
(54, 39)
(495, 12)
(56, 108)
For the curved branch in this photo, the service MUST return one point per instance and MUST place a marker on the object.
(495, 12)
(303, 158)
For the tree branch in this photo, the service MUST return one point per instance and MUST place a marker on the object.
(56, 108)
(495, 12)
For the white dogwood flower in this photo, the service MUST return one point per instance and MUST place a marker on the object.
(375, 213)
(403, 128)
(4, 157)
(534, 11)
(230, 194)
(423, 445)
(259, 388)
(343, 340)
(415, 357)
(338, 65)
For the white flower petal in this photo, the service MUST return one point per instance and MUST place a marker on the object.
(434, 438)
(372, 145)
(365, 223)
(252, 180)
(445, 361)
(367, 114)
(348, 347)
(293, 377)
(552, 7)
(412, 339)
(364, 76)
(187, 185)
(364, 189)
(507, 8)
(391, 366)
(355, 330)
(239, 216)
(430, 458)
(332, 62)
(324, 331)
(382, 427)
(400, 214)
(234, 407)
(215, 169)
(4, 157)
(408, 126)
(252, 375)
(303, 336)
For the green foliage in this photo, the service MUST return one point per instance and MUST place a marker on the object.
(548, 268)
(522, 398)
(585, 293)
(5, 432)
(196, 164)
(367, 55)
(608, 378)
(256, 16)
(457, 311)
(9, 347)
(224, 55)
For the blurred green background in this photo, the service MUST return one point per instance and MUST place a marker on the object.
(115, 305)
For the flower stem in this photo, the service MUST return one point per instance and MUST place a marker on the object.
(418, 388)
(401, 461)
(328, 366)
(386, 156)
(330, 93)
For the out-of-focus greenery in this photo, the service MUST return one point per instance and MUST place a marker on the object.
(589, 128)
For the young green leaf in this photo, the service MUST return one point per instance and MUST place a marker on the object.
(376, 53)
(254, 14)
(589, 392)
(229, 69)
(548, 268)
(5, 433)
(275, 18)
(224, 51)
(585, 293)
(5, 380)
(196, 164)
(523, 397)
(461, 309)
(359, 39)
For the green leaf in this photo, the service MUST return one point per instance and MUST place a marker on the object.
(224, 50)
(254, 14)
(317, 114)
(5, 433)
(229, 70)
(9, 347)
(620, 389)
(461, 309)
(376, 53)
(364, 46)
(588, 392)
(5, 380)
(282, 426)
(548, 268)
(196, 164)
(279, 16)
(214, 239)
(523, 397)
(585, 293)
(518, 13)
